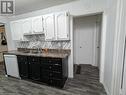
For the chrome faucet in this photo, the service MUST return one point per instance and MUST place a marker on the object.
(37, 46)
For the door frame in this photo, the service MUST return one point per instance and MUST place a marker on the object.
(95, 48)
(103, 42)
(10, 43)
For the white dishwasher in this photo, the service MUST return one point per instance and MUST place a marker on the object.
(11, 65)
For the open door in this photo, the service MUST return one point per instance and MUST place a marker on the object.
(3, 42)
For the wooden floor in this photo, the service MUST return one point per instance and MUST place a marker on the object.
(85, 82)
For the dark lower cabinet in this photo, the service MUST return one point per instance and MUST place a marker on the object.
(23, 66)
(51, 71)
(34, 68)
(55, 70)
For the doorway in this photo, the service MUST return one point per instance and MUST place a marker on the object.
(87, 39)
(3, 45)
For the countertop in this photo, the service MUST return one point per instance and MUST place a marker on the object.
(49, 54)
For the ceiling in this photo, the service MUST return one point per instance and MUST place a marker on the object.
(24, 6)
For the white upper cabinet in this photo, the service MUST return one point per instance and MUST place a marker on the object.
(55, 26)
(49, 26)
(62, 25)
(16, 30)
(37, 24)
(27, 25)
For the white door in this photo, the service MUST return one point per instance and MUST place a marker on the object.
(49, 26)
(27, 26)
(16, 30)
(37, 24)
(85, 37)
(62, 25)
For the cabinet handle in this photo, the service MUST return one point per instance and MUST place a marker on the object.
(56, 64)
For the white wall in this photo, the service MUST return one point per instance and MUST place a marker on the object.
(109, 44)
(119, 50)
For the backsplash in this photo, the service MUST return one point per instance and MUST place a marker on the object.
(38, 41)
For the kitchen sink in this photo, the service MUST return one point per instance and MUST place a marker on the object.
(26, 51)
(32, 52)
(36, 52)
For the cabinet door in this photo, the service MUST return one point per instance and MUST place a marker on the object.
(62, 25)
(27, 26)
(45, 76)
(23, 69)
(23, 66)
(49, 27)
(16, 30)
(34, 68)
(34, 71)
(37, 24)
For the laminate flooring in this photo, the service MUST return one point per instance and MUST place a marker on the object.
(85, 82)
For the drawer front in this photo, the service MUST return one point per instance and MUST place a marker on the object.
(51, 67)
(46, 67)
(22, 58)
(43, 60)
(54, 61)
(56, 68)
(56, 83)
(33, 59)
(56, 75)
(57, 61)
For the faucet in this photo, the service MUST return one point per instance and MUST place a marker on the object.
(39, 50)
(37, 46)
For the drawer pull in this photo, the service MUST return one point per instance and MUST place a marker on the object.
(56, 64)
